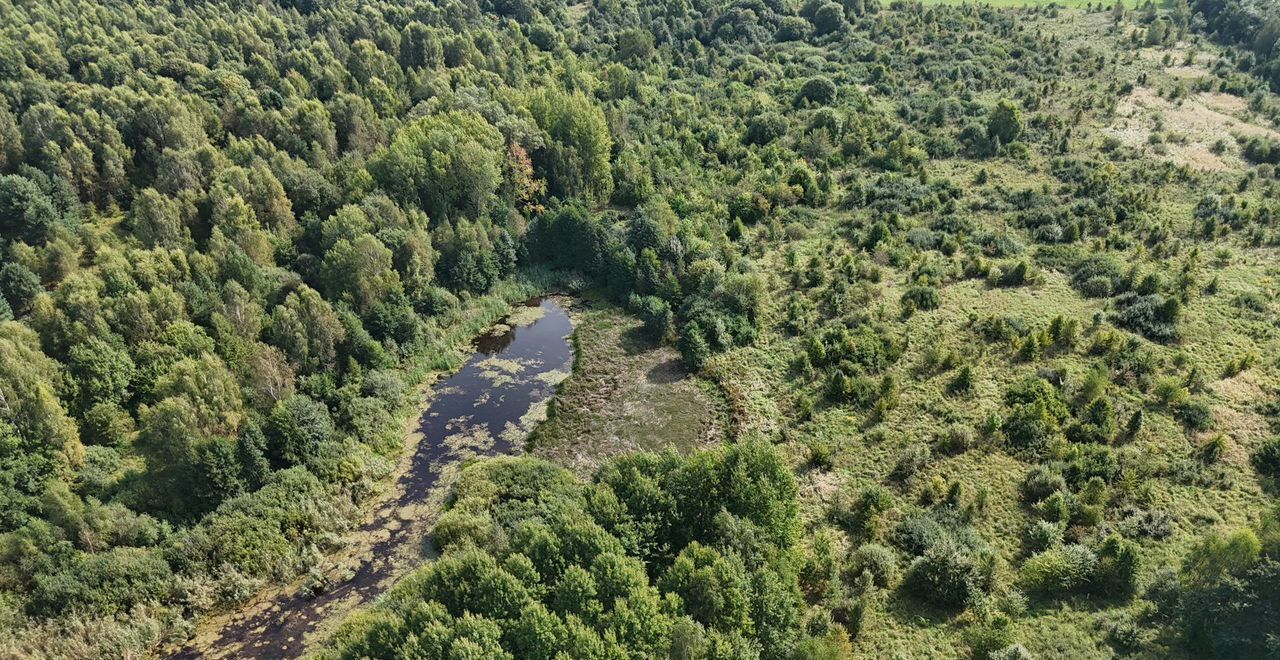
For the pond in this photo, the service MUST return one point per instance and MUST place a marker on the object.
(487, 407)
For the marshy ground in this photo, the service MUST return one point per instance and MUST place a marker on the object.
(486, 407)
(627, 393)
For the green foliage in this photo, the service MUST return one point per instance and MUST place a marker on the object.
(28, 213)
(1096, 423)
(295, 429)
(986, 640)
(1266, 459)
(572, 573)
(1005, 124)
(446, 164)
(103, 373)
(765, 128)
(922, 297)
(1153, 315)
(659, 322)
(828, 19)
(222, 227)
(714, 588)
(1216, 556)
(18, 286)
(749, 207)
(963, 381)
(1236, 617)
(1226, 603)
(818, 90)
(877, 560)
(946, 577)
(110, 582)
(694, 347)
(952, 567)
(1059, 570)
(576, 154)
(859, 513)
(1035, 416)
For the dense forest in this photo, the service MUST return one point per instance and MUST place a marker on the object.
(990, 293)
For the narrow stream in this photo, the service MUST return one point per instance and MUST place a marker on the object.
(486, 408)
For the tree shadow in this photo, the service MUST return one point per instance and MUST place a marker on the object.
(666, 372)
(636, 341)
(908, 609)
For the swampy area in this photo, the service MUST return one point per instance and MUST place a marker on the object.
(487, 407)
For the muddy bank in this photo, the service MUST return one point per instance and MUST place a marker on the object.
(485, 408)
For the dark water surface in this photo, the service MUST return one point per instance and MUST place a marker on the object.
(486, 408)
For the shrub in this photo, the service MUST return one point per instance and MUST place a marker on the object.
(108, 582)
(1266, 460)
(957, 439)
(1097, 286)
(1118, 564)
(765, 128)
(1195, 415)
(876, 559)
(1019, 273)
(1122, 633)
(1169, 391)
(946, 576)
(1005, 123)
(963, 382)
(1058, 570)
(1215, 556)
(792, 28)
(856, 389)
(1031, 426)
(106, 424)
(749, 207)
(829, 18)
(1096, 424)
(295, 429)
(987, 639)
(939, 527)
(18, 286)
(1044, 535)
(1154, 315)
(859, 514)
(1041, 482)
(821, 453)
(1212, 450)
(911, 460)
(659, 322)
(922, 297)
(1238, 617)
(1014, 652)
(818, 90)
(694, 347)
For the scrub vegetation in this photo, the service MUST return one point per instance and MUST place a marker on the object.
(916, 329)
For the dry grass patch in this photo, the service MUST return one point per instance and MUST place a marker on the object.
(1198, 123)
